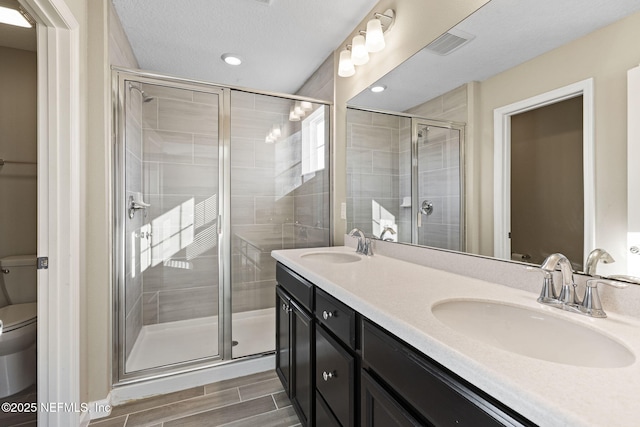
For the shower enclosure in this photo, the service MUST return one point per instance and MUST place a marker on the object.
(405, 178)
(208, 181)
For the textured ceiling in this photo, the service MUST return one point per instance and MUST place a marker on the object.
(507, 33)
(281, 42)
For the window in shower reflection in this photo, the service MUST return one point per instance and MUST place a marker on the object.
(279, 200)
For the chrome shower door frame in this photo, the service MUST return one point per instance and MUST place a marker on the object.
(416, 214)
(120, 78)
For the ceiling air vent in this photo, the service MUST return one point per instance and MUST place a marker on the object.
(449, 41)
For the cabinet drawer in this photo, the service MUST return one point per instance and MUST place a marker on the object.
(299, 287)
(438, 395)
(335, 377)
(336, 317)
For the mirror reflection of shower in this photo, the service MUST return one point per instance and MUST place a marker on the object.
(404, 173)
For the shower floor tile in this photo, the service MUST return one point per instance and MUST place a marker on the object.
(174, 342)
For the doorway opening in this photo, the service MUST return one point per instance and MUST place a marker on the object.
(535, 140)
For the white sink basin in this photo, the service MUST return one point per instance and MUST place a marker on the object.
(332, 257)
(533, 333)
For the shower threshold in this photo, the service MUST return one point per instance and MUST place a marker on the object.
(169, 343)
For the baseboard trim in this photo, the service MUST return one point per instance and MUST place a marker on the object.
(169, 384)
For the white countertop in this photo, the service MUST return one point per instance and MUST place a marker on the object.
(398, 296)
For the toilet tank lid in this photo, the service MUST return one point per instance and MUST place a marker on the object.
(18, 260)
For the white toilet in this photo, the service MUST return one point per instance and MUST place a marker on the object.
(19, 323)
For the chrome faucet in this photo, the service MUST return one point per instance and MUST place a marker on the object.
(567, 300)
(593, 258)
(568, 290)
(364, 243)
(386, 230)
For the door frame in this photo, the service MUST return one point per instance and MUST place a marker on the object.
(58, 106)
(502, 162)
(120, 90)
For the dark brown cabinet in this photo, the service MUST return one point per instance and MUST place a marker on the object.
(295, 342)
(379, 408)
(436, 395)
(335, 377)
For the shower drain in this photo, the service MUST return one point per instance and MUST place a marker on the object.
(234, 343)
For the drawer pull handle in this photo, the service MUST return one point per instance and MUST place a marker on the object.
(327, 314)
(286, 308)
(328, 375)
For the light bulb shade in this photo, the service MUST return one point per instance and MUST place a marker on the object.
(345, 66)
(359, 53)
(306, 105)
(276, 132)
(375, 37)
(293, 117)
(297, 108)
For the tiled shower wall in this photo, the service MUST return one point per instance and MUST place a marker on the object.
(377, 146)
(439, 183)
(172, 161)
(180, 142)
(272, 205)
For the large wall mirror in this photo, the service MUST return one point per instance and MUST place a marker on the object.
(505, 137)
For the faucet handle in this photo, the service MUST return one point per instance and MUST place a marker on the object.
(548, 291)
(591, 304)
(368, 247)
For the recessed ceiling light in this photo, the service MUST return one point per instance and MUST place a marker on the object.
(231, 59)
(378, 88)
(13, 17)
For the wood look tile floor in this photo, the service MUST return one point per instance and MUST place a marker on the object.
(22, 419)
(252, 401)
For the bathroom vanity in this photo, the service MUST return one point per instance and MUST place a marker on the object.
(366, 341)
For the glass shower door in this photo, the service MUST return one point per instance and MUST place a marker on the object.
(438, 185)
(171, 283)
(279, 186)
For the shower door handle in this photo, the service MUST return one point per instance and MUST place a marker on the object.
(134, 206)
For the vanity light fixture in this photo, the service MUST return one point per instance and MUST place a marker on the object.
(345, 66)
(375, 38)
(378, 88)
(299, 109)
(372, 40)
(231, 59)
(359, 52)
(273, 135)
(16, 17)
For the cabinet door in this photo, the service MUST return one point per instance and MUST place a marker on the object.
(379, 408)
(302, 363)
(283, 339)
